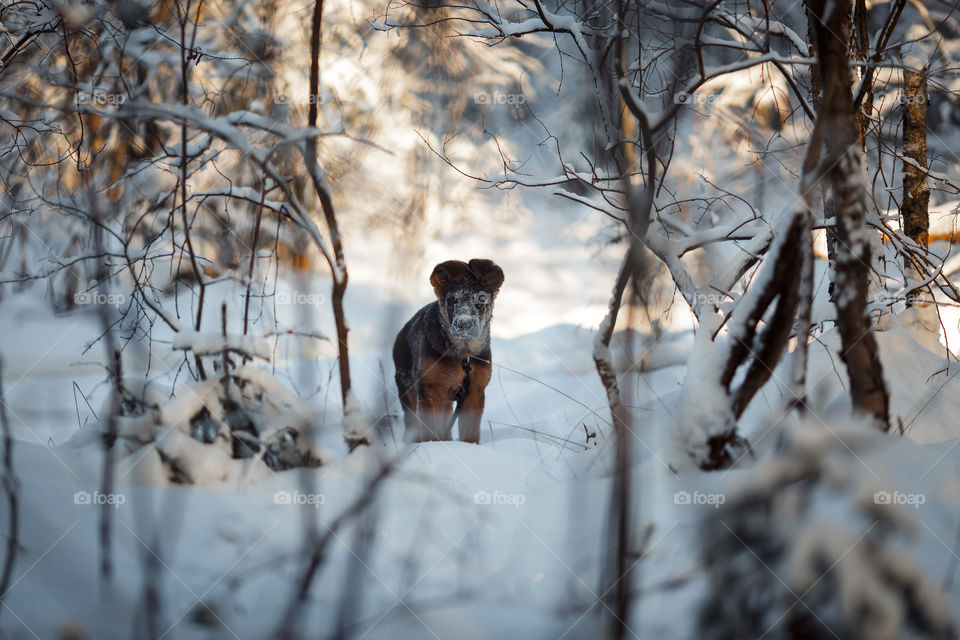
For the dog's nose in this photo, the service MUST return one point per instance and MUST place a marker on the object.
(464, 323)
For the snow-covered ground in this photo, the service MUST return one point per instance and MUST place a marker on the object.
(823, 520)
(504, 539)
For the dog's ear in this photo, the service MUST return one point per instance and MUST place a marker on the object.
(488, 273)
(446, 272)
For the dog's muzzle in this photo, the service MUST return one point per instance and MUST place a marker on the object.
(465, 326)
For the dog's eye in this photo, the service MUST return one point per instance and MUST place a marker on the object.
(482, 299)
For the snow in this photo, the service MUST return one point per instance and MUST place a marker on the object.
(507, 538)
(833, 523)
(210, 344)
(355, 426)
(501, 499)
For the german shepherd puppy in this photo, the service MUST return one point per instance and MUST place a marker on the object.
(445, 344)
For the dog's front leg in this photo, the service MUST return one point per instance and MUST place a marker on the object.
(471, 415)
(438, 383)
(434, 413)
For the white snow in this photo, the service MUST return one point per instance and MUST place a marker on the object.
(210, 344)
(507, 539)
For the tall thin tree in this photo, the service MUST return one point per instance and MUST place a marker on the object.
(843, 165)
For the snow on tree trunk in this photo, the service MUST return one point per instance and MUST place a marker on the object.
(712, 404)
(356, 428)
(846, 175)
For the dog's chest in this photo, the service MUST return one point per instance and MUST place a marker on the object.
(468, 348)
(443, 377)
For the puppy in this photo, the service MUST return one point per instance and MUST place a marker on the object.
(444, 352)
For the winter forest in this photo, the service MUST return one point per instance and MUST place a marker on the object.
(480, 319)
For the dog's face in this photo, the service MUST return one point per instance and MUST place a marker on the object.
(466, 292)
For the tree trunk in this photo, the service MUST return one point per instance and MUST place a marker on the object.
(10, 484)
(846, 175)
(860, 51)
(914, 213)
(339, 267)
(916, 195)
(816, 98)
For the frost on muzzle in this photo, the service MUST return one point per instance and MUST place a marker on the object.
(468, 313)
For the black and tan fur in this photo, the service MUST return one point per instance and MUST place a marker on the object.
(431, 348)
